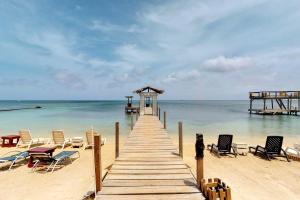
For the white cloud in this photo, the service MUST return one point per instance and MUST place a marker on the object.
(105, 26)
(68, 79)
(226, 64)
(186, 75)
(134, 54)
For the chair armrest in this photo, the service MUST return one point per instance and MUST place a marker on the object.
(260, 149)
(250, 148)
(214, 147)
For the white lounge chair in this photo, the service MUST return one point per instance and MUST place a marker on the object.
(59, 139)
(13, 157)
(90, 139)
(26, 140)
(293, 151)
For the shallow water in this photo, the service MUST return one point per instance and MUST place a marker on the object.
(208, 117)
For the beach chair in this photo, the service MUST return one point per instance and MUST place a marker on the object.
(224, 146)
(62, 157)
(293, 152)
(59, 139)
(51, 162)
(13, 157)
(273, 148)
(90, 139)
(26, 140)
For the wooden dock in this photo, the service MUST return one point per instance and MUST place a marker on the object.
(149, 167)
(275, 102)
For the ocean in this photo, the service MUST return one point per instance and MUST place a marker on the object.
(207, 117)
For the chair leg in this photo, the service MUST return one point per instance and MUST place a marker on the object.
(35, 166)
(48, 168)
(63, 146)
(234, 152)
(268, 157)
(256, 149)
(11, 165)
(287, 158)
(54, 166)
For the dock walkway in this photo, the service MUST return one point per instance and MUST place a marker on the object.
(149, 167)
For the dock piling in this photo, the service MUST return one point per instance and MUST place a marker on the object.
(159, 113)
(117, 132)
(199, 147)
(165, 118)
(97, 159)
(180, 139)
(131, 121)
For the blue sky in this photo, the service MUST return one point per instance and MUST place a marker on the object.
(193, 49)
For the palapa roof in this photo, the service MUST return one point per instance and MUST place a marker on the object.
(149, 88)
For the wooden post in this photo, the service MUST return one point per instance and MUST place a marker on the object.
(288, 106)
(159, 113)
(251, 101)
(97, 159)
(264, 104)
(117, 129)
(180, 139)
(131, 121)
(291, 105)
(272, 102)
(298, 101)
(136, 116)
(165, 118)
(199, 147)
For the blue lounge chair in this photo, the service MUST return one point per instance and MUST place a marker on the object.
(52, 162)
(13, 157)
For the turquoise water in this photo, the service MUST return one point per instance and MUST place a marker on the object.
(208, 117)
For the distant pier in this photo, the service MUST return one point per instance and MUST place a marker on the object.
(275, 102)
(129, 108)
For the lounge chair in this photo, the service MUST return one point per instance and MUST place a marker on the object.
(13, 157)
(90, 139)
(53, 161)
(293, 152)
(26, 139)
(224, 146)
(273, 148)
(58, 139)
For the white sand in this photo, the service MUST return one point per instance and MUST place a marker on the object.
(249, 177)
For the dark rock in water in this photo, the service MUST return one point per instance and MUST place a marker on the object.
(13, 109)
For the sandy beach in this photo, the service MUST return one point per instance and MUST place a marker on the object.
(250, 177)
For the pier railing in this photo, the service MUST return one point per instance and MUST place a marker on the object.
(274, 94)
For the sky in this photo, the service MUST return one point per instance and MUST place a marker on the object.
(193, 49)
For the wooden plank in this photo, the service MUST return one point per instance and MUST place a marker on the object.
(132, 162)
(147, 182)
(149, 171)
(138, 167)
(150, 190)
(148, 176)
(192, 196)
